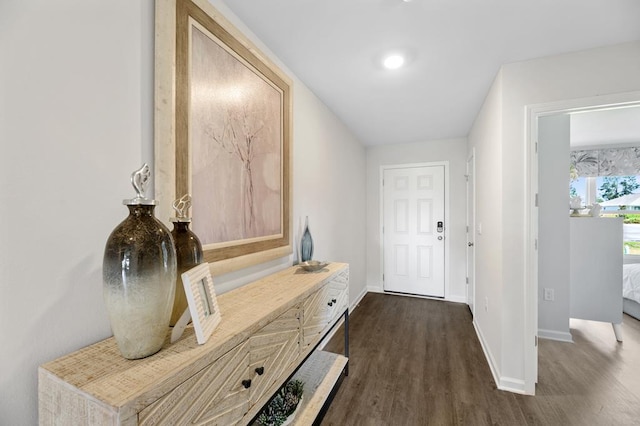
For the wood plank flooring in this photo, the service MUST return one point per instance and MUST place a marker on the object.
(418, 362)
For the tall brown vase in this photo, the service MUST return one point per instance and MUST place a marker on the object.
(188, 252)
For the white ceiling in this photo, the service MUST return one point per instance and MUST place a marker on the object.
(454, 48)
(608, 127)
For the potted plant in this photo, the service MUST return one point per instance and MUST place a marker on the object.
(282, 408)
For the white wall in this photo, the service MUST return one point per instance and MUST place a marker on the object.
(71, 98)
(451, 150)
(589, 73)
(329, 187)
(485, 139)
(75, 118)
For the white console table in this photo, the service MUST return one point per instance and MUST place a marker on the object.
(270, 330)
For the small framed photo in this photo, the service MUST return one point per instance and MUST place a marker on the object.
(201, 296)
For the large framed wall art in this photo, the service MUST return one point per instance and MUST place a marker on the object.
(223, 134)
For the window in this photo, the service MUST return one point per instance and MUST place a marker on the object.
(604, 188)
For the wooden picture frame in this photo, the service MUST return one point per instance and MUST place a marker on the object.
(203, 304)
(223, 129)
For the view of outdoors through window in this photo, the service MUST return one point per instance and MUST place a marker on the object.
(606, 188)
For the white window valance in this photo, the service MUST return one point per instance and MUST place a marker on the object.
(606, 162)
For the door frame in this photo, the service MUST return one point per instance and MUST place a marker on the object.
(471, 229)
(532, 112)
(446, 220)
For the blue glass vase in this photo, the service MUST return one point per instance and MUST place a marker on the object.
(306, 244)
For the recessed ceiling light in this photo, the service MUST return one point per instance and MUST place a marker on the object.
(393, 62)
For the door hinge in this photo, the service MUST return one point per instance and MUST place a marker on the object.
(467, 279)
(536, 340)
(535, 244)
(466, 177)
(467, 229)
(536, 147)
(536, 200)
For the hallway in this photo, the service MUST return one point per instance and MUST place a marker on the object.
(418, 362)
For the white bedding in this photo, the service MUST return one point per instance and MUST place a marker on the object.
(631, 281)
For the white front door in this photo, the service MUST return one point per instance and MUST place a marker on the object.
(414, 230)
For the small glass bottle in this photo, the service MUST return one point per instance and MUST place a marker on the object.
(139, 273)
(188, 252)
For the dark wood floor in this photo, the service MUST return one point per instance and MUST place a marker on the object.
(418, 362)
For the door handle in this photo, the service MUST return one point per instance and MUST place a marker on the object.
(470, 244)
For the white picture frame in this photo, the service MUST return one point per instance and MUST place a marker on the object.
(201, 297)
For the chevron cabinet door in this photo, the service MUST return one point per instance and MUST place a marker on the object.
(323, 307)
(273, 350)
(315, 316)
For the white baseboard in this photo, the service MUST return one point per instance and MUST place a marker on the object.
(450, 298)
(560, 336)
(357, 300)
(495, 371)
(457, 299)
(508, 384)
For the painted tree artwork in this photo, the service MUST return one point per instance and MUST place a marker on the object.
(235, 137)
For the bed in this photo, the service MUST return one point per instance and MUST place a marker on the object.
(631, 289)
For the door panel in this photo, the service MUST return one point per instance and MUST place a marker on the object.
(413, 204)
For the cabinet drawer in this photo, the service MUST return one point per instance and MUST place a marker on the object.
(273, 350)
(215, 395)
(338, 295)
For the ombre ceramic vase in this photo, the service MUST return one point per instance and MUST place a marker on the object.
(139, 274)
(188, 252)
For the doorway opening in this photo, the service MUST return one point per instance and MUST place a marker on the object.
(532, 219)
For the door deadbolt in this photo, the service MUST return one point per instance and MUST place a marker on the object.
(440, 226)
